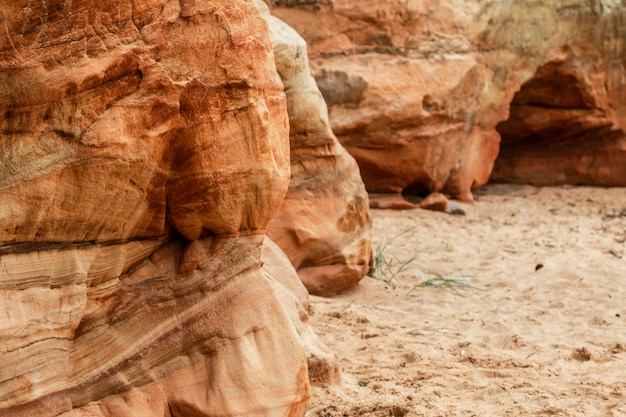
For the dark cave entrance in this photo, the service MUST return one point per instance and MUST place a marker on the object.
(555, 133)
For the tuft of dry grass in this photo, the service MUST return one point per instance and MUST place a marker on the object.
(388, 268)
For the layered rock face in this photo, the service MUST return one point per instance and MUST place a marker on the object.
(324, 223)
(322, 363)
(400, 80)
(144, 152)
(416, 89)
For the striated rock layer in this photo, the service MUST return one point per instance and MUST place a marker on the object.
(420, 91)
(324, 223)
(187, 331)
(323, 365)
(144, 152)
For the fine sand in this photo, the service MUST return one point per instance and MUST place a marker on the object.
(544, 335)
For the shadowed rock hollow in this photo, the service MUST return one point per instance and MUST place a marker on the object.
(419, 92)
(558, 132)
(144, 152)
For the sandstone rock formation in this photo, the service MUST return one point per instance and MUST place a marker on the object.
(322, 363)
(144, 150)
(560, 132)
(567, 118)
(324, 223)
(417, 89)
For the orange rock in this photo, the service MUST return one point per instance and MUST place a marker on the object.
(401, 81)
(394, 201)
(416, 90)
(188, 324)
(144, 150)
(435, 202)
(560, 132)
(324, 223)
(323, 365)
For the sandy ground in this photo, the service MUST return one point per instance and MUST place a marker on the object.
(544, 335)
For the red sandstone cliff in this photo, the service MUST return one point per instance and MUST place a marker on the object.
(420, 92)
(324, 223)
(144, 152)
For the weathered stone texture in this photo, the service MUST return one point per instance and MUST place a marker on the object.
(324, 223)
(323, 365)
(144, 150)
(419, 92)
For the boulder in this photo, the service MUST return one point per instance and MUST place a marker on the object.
(324, 222)
(144, 152)
(435, 202)
(419, 92)
(187, 330)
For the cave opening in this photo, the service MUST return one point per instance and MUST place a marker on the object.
(556, 133)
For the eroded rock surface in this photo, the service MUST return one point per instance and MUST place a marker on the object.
(560, 132)
(416, 90)
(324, 223)
(144, 152)
(322, 363)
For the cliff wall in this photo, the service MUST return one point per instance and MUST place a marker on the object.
(145, 150)
(421, 92)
